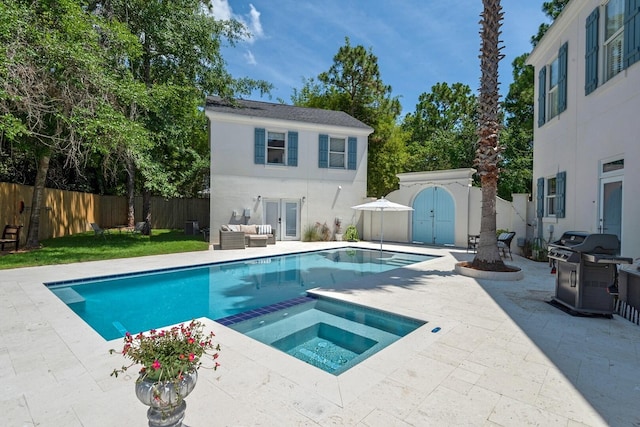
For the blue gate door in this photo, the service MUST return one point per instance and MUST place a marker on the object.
(434, 217)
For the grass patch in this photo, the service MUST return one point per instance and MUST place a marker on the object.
(87, 247)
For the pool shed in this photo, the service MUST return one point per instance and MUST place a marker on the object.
(447, 209)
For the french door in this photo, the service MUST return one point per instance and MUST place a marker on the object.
(284, 217)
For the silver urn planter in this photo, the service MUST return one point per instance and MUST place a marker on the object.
(166, 399)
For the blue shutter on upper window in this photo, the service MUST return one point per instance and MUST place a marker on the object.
(258, 147)
(352, 160)
(542, 96)
(323, 151)
(631, 32)
(292, 149)
(562, 77)
(561, 185)
(540, 198)
(591, 52)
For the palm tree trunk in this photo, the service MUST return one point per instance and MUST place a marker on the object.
(488, 152)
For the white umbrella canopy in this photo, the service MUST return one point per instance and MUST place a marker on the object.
(382, 205)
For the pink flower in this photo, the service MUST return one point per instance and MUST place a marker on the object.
(191, 340)
(156, 365)
(191, 357)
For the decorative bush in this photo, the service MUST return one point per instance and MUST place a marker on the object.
(351, 234)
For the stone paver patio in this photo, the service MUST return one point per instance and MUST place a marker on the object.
(503, 356)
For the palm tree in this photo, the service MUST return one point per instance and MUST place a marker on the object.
(488, 152)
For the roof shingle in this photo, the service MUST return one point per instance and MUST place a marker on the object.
(284, 112)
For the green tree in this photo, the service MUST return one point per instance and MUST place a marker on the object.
(488, 152)
(442, 129)
(552, 9)
(179, 65)
(353, 84)
(517, 138)
(61, 94)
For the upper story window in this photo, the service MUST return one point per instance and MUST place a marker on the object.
(337, 152)
(613, 38)
(552, 87)
(616, 33)
(275, 148)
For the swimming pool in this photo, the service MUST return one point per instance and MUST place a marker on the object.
(138, 302)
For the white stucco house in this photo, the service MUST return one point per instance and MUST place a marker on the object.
(587, 99)
(284, 165)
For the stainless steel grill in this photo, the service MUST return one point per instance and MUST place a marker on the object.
(586, 271)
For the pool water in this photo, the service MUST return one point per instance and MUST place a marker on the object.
(329, 334)
(139, 302)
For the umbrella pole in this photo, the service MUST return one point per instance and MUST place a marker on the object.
(381, 227)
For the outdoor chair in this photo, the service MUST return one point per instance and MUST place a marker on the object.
(472, 243)
(10, 235)
(504, 243)
(99, 231)
(138, 228)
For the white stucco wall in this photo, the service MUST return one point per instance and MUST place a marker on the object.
(237, 182)
(595, 128)
(467, 203)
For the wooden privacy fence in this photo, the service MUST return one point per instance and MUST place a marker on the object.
(68, 212)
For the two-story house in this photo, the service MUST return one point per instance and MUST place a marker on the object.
(587, 98)
(283, 165)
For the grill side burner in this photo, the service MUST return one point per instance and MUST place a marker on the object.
(586, 269)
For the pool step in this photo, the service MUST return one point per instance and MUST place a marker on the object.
(400, 262)
(70, 297)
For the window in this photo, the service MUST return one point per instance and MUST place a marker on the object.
(336, 152)
(613, 166)
(613, 38)
(551, 197)
(275, 148)
(552, 87)
(619, 40)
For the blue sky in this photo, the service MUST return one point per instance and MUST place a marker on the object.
(418, 42)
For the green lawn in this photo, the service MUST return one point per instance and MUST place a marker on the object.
(87, 247)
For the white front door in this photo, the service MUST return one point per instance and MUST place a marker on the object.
(284, 217)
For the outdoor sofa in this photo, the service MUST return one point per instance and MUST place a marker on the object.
(238, 236)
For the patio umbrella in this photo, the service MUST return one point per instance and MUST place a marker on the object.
(382, 205)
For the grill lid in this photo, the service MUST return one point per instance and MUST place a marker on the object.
(581, 241)
(598, 243)
(571, 238)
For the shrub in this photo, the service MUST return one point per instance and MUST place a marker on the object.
(351, 233)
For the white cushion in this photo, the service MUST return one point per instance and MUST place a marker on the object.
(264, 229)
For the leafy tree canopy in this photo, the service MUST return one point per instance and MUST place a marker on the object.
(353, 84)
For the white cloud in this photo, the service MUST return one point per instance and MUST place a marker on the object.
(251, 60)
(255, 26)
(222, 10)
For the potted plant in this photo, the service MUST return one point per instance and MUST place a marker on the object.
(169, 361)
(351, 233)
